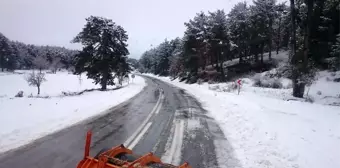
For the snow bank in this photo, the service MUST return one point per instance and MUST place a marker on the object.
(267, 131)
(25, 119)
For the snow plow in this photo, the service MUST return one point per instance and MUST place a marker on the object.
(121, 157)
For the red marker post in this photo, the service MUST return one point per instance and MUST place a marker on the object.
(239, 86)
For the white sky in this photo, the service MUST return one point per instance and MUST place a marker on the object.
(56, 22)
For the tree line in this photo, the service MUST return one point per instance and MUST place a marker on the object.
(18, 55)
(103, 56)
(308, 29)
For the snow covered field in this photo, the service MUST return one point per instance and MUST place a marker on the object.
(25, 119)
(266, 130)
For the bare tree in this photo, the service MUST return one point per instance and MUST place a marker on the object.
(35, 79)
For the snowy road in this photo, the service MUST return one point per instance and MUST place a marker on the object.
(162, 119)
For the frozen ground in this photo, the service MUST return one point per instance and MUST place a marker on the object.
(25, 119)
(266, 130)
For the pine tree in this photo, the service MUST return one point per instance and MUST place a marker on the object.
(238, 23)
(5, 51)
(263, 13)
(176, 59)
(336, 54)
(219, 42)
(164, 51)
(196, 44)
(104, 50)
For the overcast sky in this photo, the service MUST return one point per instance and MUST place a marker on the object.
(56, 22)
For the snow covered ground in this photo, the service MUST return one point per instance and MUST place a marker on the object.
(25, 119)
(266, 130)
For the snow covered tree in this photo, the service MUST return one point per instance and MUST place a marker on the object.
(104, 50)
(238, 23)
(279, 27)
(218, 39)
(195, 44)
(336, 47)
(4, 51)
(176, 59)
(55, 65)
(133, 63)
(157, 60)
(336, 54)
(247, 32)
(163, 53)
(40, 62)
(267, 10)
(35, 79)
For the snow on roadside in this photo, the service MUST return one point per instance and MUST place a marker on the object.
(25, 119)
(270, 132)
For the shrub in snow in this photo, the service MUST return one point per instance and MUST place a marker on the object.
(20, 94)
(192, 79)
(200, 81)
(333, 73)
(336, 80)
(319, 93)
(276, 83)
(230, 87)
(215, 87)
(35, 79)
(69, 93)
(211, 82)
(263, 81)
(309, 99)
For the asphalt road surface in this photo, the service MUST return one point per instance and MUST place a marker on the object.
(162, 119)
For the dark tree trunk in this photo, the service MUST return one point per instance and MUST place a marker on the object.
(307, 33)
(293, 29)
(239, 51)
(262, 50)
(301, 61)
(298, 89)
(204, 62)
(315, 45)
(278, 37)
(104, 81)
(38, 89)
(256, 53)
(2, 62)
(245, 50)
(270, 38)
(221, 66)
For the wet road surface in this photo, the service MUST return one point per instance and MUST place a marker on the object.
(162, 119)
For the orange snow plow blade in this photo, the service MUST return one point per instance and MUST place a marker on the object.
(121, 157)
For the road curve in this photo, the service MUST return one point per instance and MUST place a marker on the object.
(162, 119)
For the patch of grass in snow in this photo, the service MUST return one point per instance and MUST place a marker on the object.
(88, 90)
